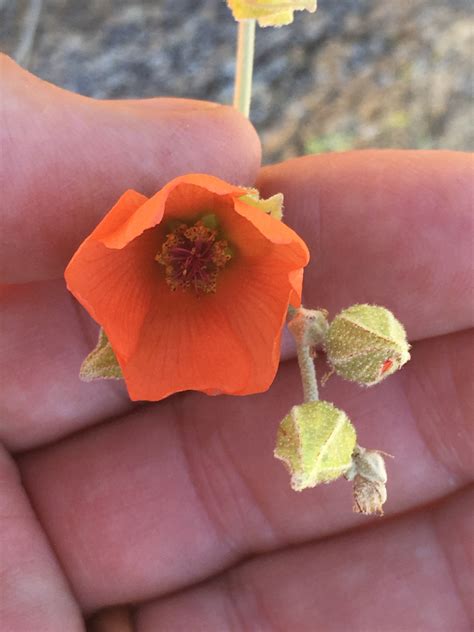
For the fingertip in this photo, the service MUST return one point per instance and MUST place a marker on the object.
(384, 226)
(67, 159)
(216, 140)
(237, 131)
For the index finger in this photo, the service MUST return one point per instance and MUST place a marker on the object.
(356, 211)
(66, 159)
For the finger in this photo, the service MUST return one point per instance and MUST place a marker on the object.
(35, 595)
(130, 481)
(350, 266)
(45, 337)
(66, 159)
(384, 227)
(397, 576)
(116, 619)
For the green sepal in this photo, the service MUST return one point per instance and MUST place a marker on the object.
(101, 363)
(315, 441)
(210, 221)
(272, 206)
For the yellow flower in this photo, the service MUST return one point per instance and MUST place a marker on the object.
(269, 12)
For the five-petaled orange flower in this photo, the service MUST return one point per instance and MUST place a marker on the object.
(191, 287)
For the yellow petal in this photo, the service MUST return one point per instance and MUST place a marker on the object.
(269, 12)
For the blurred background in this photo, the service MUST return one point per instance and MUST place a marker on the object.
(358, 73)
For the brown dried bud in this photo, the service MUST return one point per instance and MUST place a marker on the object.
(369, 475)
(369, 496)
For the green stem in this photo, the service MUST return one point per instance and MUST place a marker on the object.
(307, 328)
(308, 373)
(244, 66)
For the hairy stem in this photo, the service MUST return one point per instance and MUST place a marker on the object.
(308, 373)
(308, 327)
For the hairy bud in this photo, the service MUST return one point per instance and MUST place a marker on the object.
(366, 344)
(315, 441)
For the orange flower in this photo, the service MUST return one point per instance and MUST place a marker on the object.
(191, 287)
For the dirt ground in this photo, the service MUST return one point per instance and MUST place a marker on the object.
(358, 73)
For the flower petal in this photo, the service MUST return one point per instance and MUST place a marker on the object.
(185, 344)
(182, 197)
(116, 286)
(223, 343)
(275, 231)
(296, 281)
(269, 12)
(228, 342)
(165, 341)
(120, 213)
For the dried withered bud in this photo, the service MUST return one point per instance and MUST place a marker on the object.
(366, 344)
(315, 441)
(369, 496)
(369, 476)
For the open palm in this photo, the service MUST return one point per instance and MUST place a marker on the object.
(178, 509)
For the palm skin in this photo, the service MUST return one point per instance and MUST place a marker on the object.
(179, 508)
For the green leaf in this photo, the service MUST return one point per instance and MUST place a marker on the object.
(101, 363)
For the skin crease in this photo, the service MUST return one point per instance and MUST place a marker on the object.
(179, 507)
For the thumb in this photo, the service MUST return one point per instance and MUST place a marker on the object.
(67, 158)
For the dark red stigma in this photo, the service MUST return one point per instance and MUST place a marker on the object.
(193, 256)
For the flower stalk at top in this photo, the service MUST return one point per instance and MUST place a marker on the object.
(244, 66)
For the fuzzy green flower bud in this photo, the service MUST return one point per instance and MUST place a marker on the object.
(315, 441)
(366, 344)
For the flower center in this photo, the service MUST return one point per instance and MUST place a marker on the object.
(193, 256)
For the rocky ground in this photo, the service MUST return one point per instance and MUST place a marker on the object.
(358, 73)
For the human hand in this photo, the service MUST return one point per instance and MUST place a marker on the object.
(179, 507)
